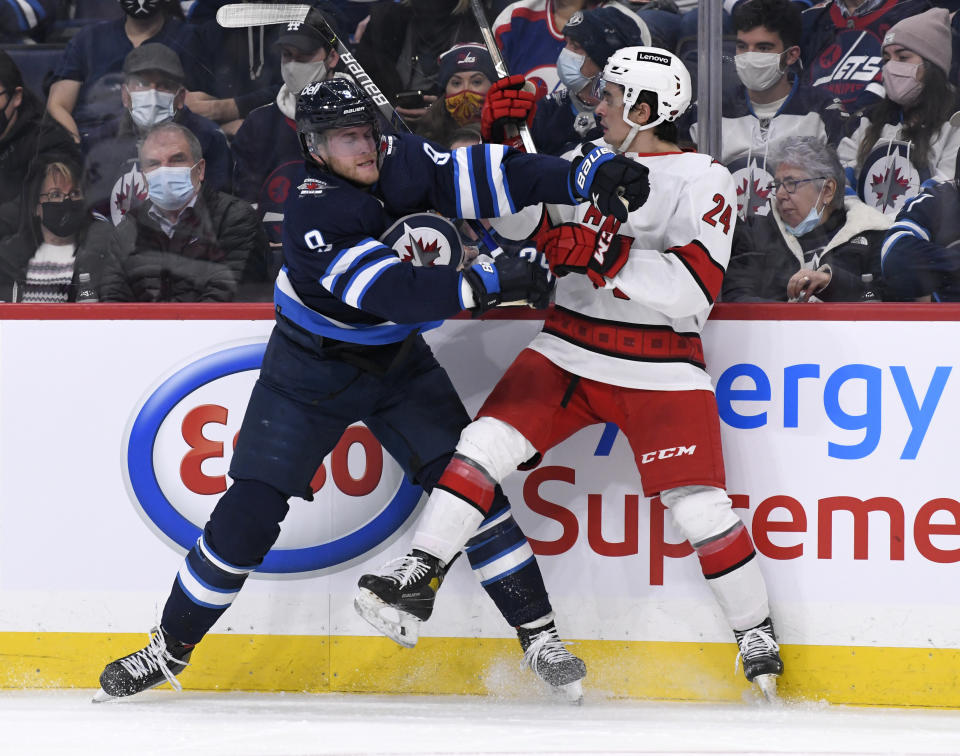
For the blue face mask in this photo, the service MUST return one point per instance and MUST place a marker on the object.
(170, 187)
(568, 69)
(811, 221)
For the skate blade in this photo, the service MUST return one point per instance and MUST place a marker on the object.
(768, 686)
(101, 696)
(572, 693)
(404, 629)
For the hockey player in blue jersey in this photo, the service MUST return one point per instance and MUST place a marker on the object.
(347, 347)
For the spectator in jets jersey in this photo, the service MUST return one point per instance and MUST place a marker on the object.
(815, 244)
(909, 137)
(773, 102)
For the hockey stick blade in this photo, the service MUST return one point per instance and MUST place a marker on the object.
(238, 15)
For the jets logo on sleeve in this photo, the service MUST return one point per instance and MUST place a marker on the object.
(425, 239)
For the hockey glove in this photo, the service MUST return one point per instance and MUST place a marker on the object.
(568, 248)
(507, 103)
(524, 277)
(608, 258)
(614, 184)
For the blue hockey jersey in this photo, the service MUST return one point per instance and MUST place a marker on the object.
(341, 282)
(919, 255)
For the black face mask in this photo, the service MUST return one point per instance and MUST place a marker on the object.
(140, 8)
(63, 218)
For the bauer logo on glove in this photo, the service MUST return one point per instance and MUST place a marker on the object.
(615, 184)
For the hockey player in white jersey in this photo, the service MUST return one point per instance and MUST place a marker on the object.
(623, 346)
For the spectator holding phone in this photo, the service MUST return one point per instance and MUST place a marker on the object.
(466, 73)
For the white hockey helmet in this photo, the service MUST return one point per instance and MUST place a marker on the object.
(651, 69)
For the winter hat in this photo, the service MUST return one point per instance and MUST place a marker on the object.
(469, 56)
(927, 34)
(603, 31)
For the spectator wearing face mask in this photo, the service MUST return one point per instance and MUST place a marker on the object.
(565, 117)
(907, 139)
(57, 255)
(841, 46)
(83, 93)
(465, 74)
(188, 243)
(773, 102)
(27, 134)
(816, 244)
(152, 93)
(267, 154)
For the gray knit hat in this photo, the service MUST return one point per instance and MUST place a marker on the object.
(927, 34)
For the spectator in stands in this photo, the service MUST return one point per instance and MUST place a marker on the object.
(152, 93)
(86, 82)
(466, 73)
(815, 243)
(26, 22)
(57, 255)
(268, 158)
(841, 47)
(921, 259)
(772, 102)
(26, 134)
(236, 71)
(529, 34)
(907, 138)
(401, 47)
(188, 243)
(565, 117)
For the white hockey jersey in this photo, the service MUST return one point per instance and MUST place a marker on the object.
(643, 330)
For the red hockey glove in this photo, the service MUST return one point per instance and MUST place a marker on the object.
(568, 248)
(609, 256)
(507, 103)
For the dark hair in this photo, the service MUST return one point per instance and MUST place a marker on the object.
(921, 122)
(10, 76)
(437, 124)
(665, 131)
(782, 17)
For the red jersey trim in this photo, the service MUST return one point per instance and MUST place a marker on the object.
(859, 22)
(706, 271)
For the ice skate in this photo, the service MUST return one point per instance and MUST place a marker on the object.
(400, 597)
(546, 654)
(160, 661)
(760, 654)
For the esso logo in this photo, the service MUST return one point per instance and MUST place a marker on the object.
(177, 454)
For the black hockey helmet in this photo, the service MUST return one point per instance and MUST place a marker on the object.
(332, 104)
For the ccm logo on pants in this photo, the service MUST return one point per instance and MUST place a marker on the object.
(672, 451)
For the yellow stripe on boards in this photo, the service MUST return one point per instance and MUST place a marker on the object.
(623, 669)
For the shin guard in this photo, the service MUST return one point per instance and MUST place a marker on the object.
(730, 566)
(458, 503)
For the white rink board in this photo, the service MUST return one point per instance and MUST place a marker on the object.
(76, 553)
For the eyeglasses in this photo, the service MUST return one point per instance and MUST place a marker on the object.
(55, 195)
(791, 184)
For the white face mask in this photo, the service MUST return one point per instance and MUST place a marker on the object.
(297, 75)
(568, 69)
(759, 71)
(150, 107)
(171, 187)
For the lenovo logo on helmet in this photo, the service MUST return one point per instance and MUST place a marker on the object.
(648, 57)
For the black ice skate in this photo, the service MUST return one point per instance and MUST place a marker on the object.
(547, 656)
(760, 654)
(397, 599)
(160, 661)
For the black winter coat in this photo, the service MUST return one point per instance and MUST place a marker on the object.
(763, 260)
(217, 246)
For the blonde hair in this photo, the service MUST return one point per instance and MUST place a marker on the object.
(58, 169)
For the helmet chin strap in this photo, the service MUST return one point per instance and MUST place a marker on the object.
(635, 128)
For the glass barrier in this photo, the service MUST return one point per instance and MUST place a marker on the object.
(829, 136)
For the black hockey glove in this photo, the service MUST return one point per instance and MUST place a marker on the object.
(524, 278)
(615, 184)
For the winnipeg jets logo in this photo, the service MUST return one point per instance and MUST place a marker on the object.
(314, 187)
(469, 58)
(888, 179)
(753, 190)
(129, 191)
(294, 26)
(427, 253)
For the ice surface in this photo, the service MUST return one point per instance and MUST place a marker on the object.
(38, 723)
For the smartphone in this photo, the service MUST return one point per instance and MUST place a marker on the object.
(411, 99)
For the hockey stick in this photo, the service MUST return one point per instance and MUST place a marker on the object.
(499, 66)
(261, 14)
